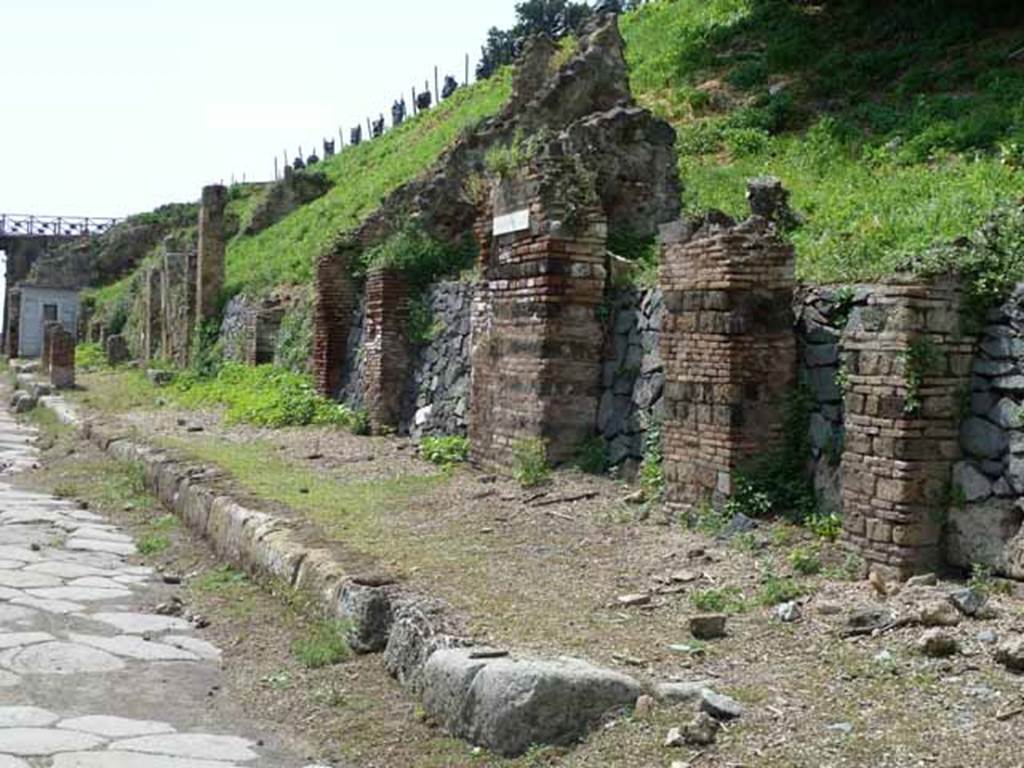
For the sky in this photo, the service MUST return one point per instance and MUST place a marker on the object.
(114, 107)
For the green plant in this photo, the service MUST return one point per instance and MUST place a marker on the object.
(90, 357)
(530, 462)
(153, 544)
(445, 451)
(265, 395)
(983, 582)
(919, 360)
(592, 455)
(293, 347)
(420, 257)
(719, 600)
(709, 519)
(826, 524)
(805, 560)
(324, 645)
(505, 160)
(778, 589)
(651, 472)
(748, 499)
(424, 325)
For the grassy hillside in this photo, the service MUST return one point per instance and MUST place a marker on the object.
(895, 125)
(363, 176)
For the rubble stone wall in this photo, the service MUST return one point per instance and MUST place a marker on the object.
(387, 348)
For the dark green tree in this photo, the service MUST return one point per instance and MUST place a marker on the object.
(554, 18)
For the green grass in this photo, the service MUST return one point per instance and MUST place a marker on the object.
(363, 176)
(445, 451)
(323, 645)
(264, 395)
(894, 131)
(719, 600)
(353, 509)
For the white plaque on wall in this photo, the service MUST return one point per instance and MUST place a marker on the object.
(508, 223)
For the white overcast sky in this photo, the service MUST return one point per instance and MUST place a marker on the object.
(113, 107)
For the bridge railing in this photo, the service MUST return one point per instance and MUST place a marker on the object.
(25, 225)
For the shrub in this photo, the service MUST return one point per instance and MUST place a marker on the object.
(652, 475)
(530, 462)
(323, 646)
(418, 256)
(265, 395)
(778, 589)
(90, 357)
(805, 561)
(592, 456)
(445, 451)
(720, 600)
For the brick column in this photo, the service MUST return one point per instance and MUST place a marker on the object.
(13, 322)
(537, 339)
(210, 265)
(336, 299)
(153, 326)
(61, 357)
(905, 364)
(386, 348)
(49, 329)
(729, 353)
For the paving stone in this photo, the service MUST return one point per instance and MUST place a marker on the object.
(194, 745)
(78, 594)
(130, 760)
(40, 742)
(60, 607)
(62, 658)
(140, 623)
(113, 727)
(25, 580)
(26, 717)
(20, 639)
(134, 647)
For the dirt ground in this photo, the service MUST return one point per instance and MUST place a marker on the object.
(536, 571)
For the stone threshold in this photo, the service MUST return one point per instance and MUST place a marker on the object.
(491, 697)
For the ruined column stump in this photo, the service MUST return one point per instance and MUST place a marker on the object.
(386, 348)
(336, 300)
(729, 353)
(61, 357)
(210, 253)
(905, 368)
(153, 326)
(537, 338)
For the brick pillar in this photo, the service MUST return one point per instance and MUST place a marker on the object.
(61, 357)
(905, 364)
(336, 299)
(210, 265)
(13, 322)
(537, 339)
(729, 353)
(153, 328)
(386, 348)
(49, 329)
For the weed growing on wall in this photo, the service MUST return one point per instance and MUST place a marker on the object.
(421, 258)
(424, 324)
(643, 252)
(592, 456)
(652, 474)
(445, 451)
(920, 359)
(530, 465)
(264, 395)
(293, 347)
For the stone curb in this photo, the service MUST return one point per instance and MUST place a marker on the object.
(504, 703)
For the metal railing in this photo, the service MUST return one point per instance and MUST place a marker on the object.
(24, 225)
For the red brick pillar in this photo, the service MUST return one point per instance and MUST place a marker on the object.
(61, 357)
(44, 358)
(13, 322)
(210, 257)
(537, 339)
(729, 353)
(386, 348)
(904, 364)
(336, 299)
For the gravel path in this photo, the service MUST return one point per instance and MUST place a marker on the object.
(89, 676)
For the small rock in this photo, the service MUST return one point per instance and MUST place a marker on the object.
(719, 706)
(987, 636)
(194, 427)
(740, 523)
(486, 652)
(644, 707)
(200, 622)
(634, 600)
(678, 693)
(869, 619)
(708, 626)
(695, 552)
(637, 497)
(702, 730)
(844, 728)
(684, 577)
(968, 601)
(674, 738)
(884, 656)
(168, 609)
(937, 644)
(938, 613)
(923, 580)
(1010, 653)
(788, 612)
(171, 578)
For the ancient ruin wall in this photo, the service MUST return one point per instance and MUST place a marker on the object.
(905, 365)
(210, 265)
(729, 353)
(336, 298)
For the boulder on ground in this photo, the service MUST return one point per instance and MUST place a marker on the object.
(509, 705)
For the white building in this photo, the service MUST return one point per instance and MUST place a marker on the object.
(40, 306)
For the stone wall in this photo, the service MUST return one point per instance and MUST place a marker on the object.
(729, 352)
(437, 395)
(987, 509)
(336, 298)
(210, 252)
(249, 329)
(387, 348)
(353, 369)
(632, 375)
